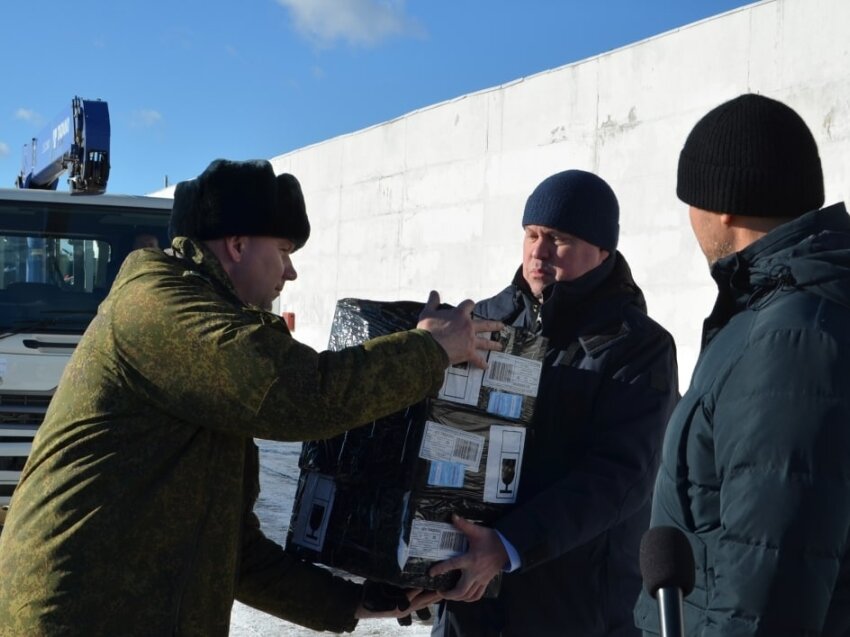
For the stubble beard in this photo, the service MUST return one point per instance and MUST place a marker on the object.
(717, 251)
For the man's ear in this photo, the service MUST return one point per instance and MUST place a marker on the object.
(235, 247)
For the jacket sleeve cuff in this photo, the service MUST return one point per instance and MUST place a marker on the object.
(514, 560)
(529, 543)
(438, 363)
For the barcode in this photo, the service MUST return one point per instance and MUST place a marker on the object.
(465, 449)
(453, 541)
(500, 371)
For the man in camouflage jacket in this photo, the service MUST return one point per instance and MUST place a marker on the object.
(134, 512)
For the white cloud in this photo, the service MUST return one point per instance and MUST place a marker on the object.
(359, 22)
(145, 118)
(28, 115)
(4, 149)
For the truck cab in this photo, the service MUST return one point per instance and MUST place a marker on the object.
(60, 253)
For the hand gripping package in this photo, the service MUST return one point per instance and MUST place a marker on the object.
(377, 501)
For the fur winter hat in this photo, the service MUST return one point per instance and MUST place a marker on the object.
(240, 198)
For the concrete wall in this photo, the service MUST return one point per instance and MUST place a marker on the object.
(433, 199)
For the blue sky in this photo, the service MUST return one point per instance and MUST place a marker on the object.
(189, 80)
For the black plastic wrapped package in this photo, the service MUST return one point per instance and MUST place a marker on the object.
(356, 321)
(377, 502)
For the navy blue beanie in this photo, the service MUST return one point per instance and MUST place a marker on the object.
(578, 203)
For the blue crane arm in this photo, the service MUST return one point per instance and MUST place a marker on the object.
(77, 140)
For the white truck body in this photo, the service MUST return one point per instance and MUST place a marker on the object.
(59, 254)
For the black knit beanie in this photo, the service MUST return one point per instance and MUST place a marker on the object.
(751, 156)
(578, 203)
(240, 198)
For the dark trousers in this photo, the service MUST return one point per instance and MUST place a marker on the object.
(459, 619)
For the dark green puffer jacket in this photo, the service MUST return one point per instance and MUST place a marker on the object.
(134, 512)
(756, 460)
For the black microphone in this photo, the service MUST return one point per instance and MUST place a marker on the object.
(667, 568)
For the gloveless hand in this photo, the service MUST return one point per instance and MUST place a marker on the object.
(457, 332)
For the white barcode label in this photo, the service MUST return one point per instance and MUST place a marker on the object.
(442, 443)
(501, 371)
(435, 540)
(453, 542)
(512, 374)
(465, 449)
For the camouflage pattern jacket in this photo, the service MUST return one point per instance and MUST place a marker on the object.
(134, 511)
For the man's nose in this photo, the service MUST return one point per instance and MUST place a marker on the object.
(540, 249)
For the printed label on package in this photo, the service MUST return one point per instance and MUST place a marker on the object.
(504, 462)
(447, 444)
(314, 511)
(446, 474)
(435, 540)
(513, 374)
(462, 383)
(507, 405)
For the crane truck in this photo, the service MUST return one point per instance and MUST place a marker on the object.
(59, 252)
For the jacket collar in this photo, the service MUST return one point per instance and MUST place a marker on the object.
(749, 278)
(573, 308)
(202, 261)
(568, 291)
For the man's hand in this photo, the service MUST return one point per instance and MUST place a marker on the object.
(385, 600)
(456, 331)
(485, 559)
(423, 614)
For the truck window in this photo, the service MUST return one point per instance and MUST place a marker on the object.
(60, 259)
(73, 264)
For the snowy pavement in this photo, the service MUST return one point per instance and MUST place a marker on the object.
(247, 622)
(278, 478)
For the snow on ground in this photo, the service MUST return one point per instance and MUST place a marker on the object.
(278, 478)
(248, 622)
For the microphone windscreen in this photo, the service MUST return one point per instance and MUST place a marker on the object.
(666, 560)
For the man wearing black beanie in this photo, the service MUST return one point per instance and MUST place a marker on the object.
(756, 465)
(134, 514)
(608, 386)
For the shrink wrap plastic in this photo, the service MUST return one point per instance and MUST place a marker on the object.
(377, 501)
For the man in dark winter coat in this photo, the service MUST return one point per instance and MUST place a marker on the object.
(608, 385)
(756, 461)
(134, 515)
